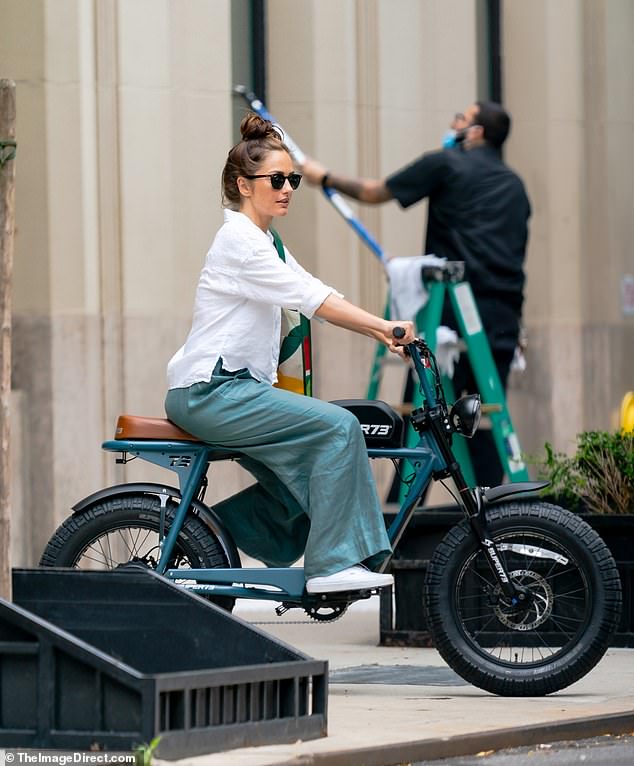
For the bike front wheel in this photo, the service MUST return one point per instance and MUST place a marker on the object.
(125, 529)
(562, 628)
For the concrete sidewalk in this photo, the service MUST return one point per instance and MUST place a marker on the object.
(390, 705)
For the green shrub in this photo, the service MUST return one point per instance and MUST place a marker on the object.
(599, 476)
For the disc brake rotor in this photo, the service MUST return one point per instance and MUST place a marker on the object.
(535, 612)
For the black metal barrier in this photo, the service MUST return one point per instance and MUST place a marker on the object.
(402, 619)
(112, 660)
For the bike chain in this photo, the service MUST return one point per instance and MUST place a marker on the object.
(310, 621)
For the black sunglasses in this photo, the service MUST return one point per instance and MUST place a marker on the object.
(278, 179)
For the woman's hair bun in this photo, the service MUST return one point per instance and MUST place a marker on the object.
(254, 127)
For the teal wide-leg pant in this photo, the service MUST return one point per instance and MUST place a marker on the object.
(315, 493)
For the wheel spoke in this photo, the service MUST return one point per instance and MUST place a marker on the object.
(95, 559)
(133, 544)
(555, 610)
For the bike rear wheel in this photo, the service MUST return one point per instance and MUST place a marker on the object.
(564, 627)
(125, 529)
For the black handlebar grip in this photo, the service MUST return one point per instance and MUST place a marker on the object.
(398, 332)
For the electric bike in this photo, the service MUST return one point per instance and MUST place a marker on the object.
(522, 597)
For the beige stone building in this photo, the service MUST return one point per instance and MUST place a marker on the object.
(125, 116)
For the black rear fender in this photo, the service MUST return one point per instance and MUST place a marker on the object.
(199, 509)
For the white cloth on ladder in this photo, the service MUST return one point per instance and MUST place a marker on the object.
(408, 294)
(448, 349)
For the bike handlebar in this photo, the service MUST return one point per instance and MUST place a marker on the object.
(423, 357)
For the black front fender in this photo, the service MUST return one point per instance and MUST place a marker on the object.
(205, 513)
(495, 494)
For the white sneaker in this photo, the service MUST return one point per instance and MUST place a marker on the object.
(353, 578)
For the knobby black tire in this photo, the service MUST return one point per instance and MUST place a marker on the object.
(575, 595)
(124, 529)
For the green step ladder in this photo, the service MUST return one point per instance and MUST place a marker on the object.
(440, 281)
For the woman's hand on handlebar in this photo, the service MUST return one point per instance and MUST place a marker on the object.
(399, 334)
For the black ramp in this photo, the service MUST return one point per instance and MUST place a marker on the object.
(109, 660)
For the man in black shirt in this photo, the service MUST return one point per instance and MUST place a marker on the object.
(478, 213)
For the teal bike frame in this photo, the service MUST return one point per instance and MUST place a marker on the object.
(430, 457)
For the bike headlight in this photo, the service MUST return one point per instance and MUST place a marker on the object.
(465, 415)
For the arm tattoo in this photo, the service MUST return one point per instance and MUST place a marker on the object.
(351, 187)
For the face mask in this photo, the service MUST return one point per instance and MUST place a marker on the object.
(452, 138)
(449, 139)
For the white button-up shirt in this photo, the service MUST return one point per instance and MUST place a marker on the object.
(237, 312)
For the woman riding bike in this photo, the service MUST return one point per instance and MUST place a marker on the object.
(302, 451)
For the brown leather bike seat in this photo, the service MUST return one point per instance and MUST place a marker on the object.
(135, 427)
